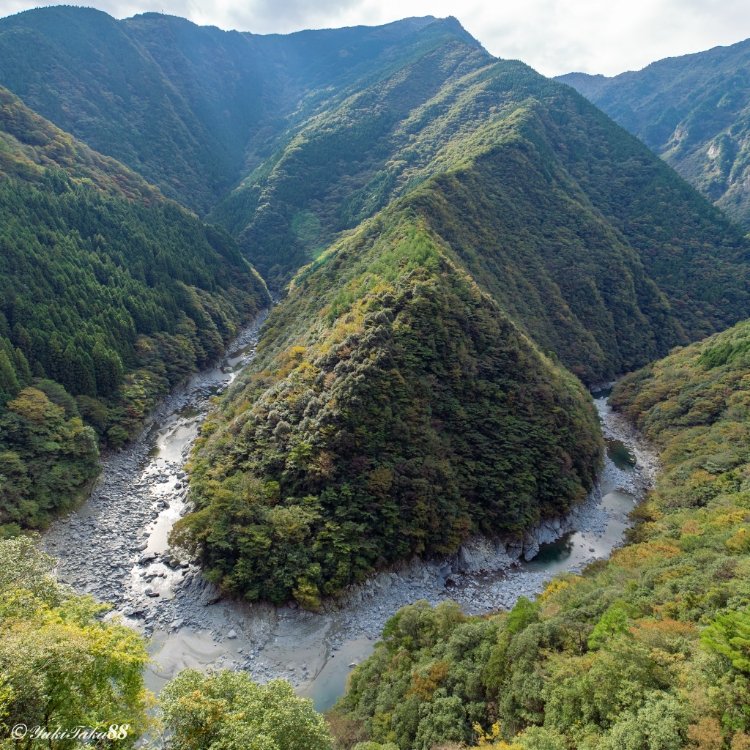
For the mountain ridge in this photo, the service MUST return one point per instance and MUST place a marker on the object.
(192, 110)
(694, 111)
(537, 215)
(110, 294)
(473, 188)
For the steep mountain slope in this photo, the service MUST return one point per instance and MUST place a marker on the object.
(647, 650)
(342, 165)
(109, 294)
(457, 226)
(695, 112)
(603, 254)
(191, 108)
(394, 410)
(391, 381)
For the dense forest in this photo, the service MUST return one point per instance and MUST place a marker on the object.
(369, 428)
(650, 649)
(694, 111)
(109, 296)
(411, 414)
(195, 109)
(598, 249)
(460, 246)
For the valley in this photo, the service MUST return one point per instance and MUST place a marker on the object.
(115, 547)
(303, 438)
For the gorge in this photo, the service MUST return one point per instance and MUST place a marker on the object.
(302, 345)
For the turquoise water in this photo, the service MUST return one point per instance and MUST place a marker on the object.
(620, 455)
(577, 548)
(330, 683)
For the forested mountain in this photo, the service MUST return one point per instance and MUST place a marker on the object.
(554, 210)
(193, 109)
(109, 295)
(648, 650)
(396, 408)
(424, 194)
(694, 111)
(339, 167)
(462, 246)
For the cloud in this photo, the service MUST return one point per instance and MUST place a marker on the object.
(265, 16)
(553, 36)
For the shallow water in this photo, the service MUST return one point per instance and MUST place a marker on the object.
(142, 492)
(620, 454)
(576, 548)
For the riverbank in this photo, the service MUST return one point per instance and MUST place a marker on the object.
(115, 548)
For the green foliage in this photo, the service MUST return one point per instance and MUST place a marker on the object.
(187, 106)
(108, 294)
(228, 711)
(648, 650)
(613, 622)
(416, 415)
(396, 400)
(61, 666)
(47, 460)
(729, 635)
(583, 236)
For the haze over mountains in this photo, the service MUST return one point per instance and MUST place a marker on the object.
(192, 108)
(694, 111)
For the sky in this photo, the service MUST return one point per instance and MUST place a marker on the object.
(553, 36)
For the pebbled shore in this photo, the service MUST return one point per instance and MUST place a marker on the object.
(114, 547)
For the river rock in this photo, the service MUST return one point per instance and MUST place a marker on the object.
(481, 555)
(129, 479)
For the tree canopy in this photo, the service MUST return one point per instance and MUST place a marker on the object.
(646, 650)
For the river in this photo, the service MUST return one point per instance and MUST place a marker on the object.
(115, 548)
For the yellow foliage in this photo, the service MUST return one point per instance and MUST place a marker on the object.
(289, 360)
(726, 520)
(423, 686)
(706, 734)
(492, 738)
(638, 555)
(556, 585)
(700, 476)
(739, 542)
(664, 632)
(33, 405)
(691, 527)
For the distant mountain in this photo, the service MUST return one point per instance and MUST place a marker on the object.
(109, 295)
(343, 164)
(694, 111)
(193, 109)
